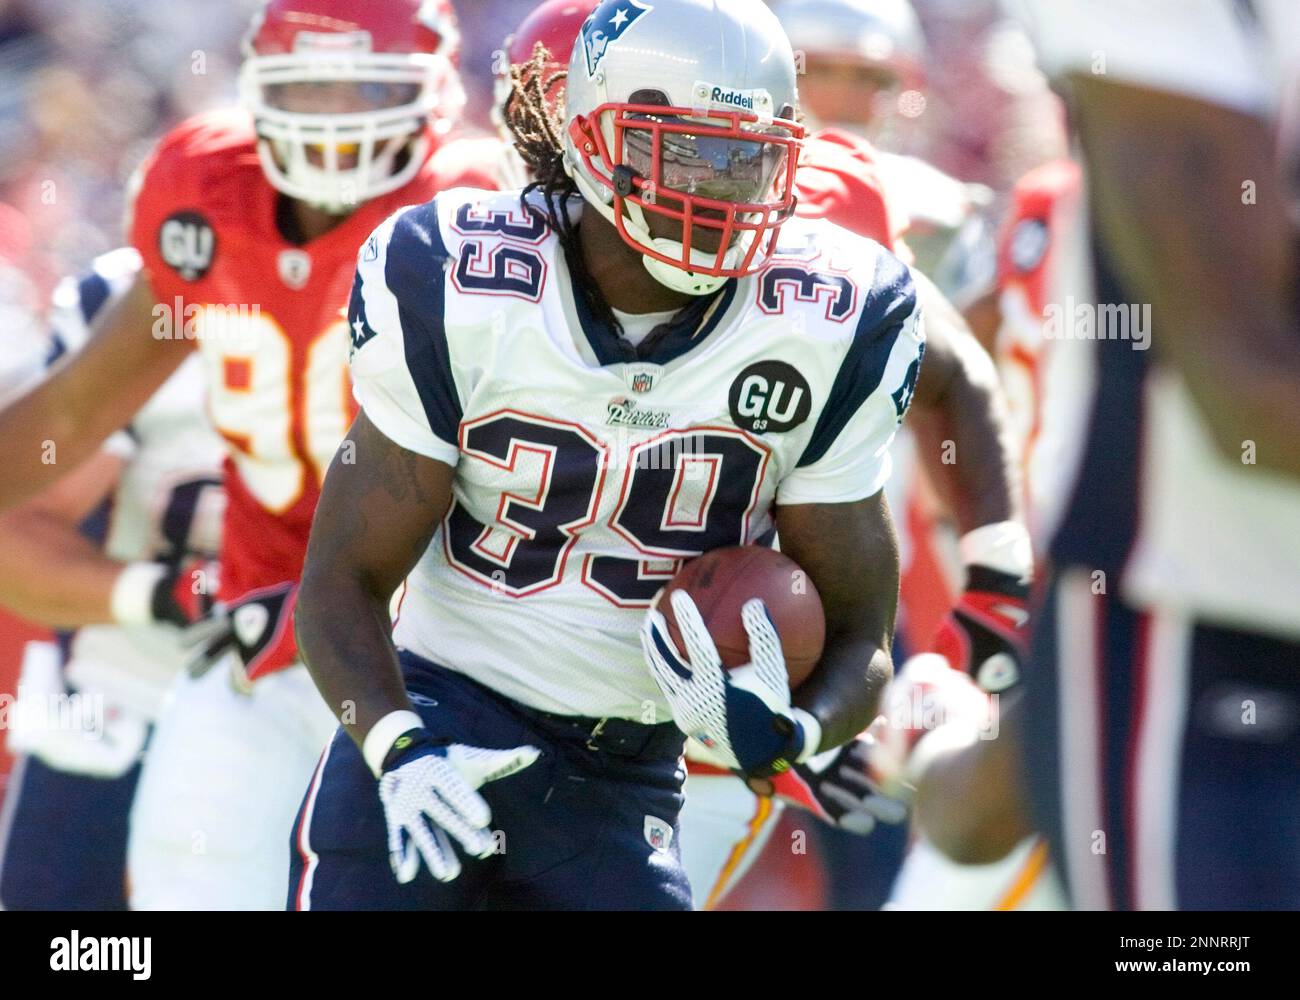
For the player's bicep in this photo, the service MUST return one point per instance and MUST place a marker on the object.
(379, 507)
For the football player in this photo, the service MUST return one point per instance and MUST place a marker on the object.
(566, 392)
(247, 221)
(123, 544)
(726, 825)
(1163, 718)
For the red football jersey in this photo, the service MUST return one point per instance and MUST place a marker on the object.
(270, 320)
(1041, 201)
(838, 180)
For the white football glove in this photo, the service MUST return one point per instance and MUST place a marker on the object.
(431, 791)
(77, 732)
(743, 716)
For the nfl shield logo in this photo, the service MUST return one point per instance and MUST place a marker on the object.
(658, 833)
(641, 378)
(295, 268)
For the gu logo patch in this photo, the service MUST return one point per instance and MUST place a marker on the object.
(187, 244)
(607, 24)
(769, 396)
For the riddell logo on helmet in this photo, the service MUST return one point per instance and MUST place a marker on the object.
(729, 97)
(735, 97)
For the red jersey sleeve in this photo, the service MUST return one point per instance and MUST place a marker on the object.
(1025, 242)
(172, 217)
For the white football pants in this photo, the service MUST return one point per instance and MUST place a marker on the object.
(222, 781)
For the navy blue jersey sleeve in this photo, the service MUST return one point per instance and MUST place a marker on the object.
(847, 456)
(402, 373)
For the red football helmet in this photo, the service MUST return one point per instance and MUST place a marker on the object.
(341, 91)
(555, 24)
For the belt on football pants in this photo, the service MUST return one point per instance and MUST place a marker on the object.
(617, 737)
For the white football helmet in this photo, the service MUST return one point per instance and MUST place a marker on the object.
(882, 32)
(685, 109)
(880, 36)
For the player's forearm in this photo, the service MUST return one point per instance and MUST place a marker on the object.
(850, 554)
(343, 633)
(51, 575)
(844, 692)
(39, 441)
(966, 451)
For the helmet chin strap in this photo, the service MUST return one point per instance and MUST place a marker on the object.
(677, 279)
(671, 275)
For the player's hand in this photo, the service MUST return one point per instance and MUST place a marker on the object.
(838, 787)
(258, 628)
(152, 593)
(430, 794)
(744, 716)
(926, 700)
(986, 633)
(96, 738)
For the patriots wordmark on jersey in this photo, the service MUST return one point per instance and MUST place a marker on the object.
(588, 470)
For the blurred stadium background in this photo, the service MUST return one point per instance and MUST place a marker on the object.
(87, 85)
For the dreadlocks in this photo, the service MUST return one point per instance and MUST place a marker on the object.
(539, 139)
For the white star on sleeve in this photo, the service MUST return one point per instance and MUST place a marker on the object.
(620, 18)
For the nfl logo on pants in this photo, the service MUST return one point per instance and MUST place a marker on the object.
(658, 834)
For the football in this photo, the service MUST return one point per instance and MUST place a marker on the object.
(721, 581)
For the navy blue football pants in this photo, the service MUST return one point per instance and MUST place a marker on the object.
(63, 846)
(592, 824)
(1163, 755)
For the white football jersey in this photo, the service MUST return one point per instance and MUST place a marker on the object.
(166, 504)
(588, 470)
(1241, 53)
(1216, 539)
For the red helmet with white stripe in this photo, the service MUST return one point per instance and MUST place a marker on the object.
(341, 91)
(555, 24)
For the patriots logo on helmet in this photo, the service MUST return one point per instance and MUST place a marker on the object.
(607, 24)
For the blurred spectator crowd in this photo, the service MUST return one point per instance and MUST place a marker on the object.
(87, 85)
